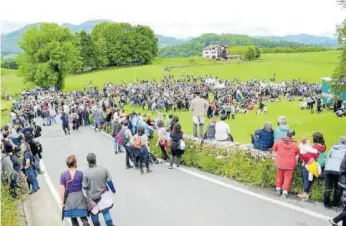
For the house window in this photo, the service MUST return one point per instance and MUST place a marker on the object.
(206, 52)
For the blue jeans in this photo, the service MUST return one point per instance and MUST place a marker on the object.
(85, 122)
(96, 125)
(31, 175)
(106, 216)
(117, 146)
(306, 183)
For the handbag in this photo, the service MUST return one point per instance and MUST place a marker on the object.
(182, 145)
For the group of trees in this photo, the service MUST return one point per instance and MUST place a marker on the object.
(194, 46)
(9, 64)
(51, 52)
(339, 76)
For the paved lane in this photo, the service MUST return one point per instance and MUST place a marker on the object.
(164, 197)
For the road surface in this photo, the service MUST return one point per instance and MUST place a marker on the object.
(167, 197)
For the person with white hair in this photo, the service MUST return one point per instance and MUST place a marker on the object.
(263, 139)
(282, 129)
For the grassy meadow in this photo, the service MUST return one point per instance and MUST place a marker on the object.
(310, 67)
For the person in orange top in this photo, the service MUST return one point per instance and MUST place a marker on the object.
(287, 151)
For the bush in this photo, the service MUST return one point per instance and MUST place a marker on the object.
(239, 165)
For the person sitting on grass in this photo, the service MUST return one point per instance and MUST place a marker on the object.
(282, 129)
(222, 131)
(210, 133)
(286, 151)
(263, 139)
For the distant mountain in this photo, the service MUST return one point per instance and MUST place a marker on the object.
(168, 41)
(9, 40)
(87, 26)
(305, 39)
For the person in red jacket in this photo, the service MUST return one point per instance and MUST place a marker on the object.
(286, 161)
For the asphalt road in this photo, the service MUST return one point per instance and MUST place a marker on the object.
(165, 197)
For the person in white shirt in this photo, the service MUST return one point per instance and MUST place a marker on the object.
(222, 131)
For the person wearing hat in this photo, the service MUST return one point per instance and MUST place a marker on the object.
(199, 107)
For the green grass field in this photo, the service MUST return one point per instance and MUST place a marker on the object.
(309, 67)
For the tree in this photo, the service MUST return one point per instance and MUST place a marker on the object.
(118, 44)
(50, 53)
(250, 54)
(258, 53)
(87, 50)
(339, 76)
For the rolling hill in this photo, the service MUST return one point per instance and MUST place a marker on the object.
(305, 39)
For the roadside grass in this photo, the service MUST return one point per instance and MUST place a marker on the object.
(9, 210)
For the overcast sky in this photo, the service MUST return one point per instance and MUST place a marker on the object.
(184, 18)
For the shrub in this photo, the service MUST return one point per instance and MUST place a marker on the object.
(239, 165)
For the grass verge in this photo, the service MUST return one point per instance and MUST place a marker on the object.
(9, 210)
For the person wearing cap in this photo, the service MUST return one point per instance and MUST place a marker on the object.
(199, 107)
(332, 172)
(286, 153)
(97, 181)
(282, 129)
(222, 131)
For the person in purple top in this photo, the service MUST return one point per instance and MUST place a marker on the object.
(72, 197)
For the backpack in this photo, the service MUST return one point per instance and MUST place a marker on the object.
(120, 139)
(138, 142)
(125, 137)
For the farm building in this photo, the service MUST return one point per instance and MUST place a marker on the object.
(218, 52)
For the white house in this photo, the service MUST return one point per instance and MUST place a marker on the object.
(215, 52)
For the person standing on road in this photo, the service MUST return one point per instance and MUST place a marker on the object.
(96, 183)
(199, 107)
(176, 137)
(332, 172)
(286, 152)
(65, 123)
(71, 194)
(29, 168)
(127, 135)
(140, 142)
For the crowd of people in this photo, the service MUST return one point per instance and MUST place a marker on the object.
(133, 132)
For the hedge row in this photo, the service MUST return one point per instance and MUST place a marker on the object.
(239, 165)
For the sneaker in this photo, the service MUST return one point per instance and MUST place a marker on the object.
(170, 167)
(284, 194)
(278, 191)
(116, 152)
(129, 167)
(149, 171)
(304, 195)
(331, 222)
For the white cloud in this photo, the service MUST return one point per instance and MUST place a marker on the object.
(183, 18)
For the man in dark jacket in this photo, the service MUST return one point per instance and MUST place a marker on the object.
(65, 123)
(263, 139)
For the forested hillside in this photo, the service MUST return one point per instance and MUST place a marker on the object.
(194, 46)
